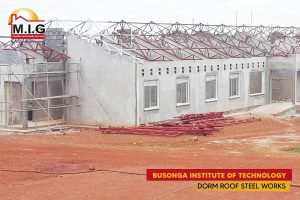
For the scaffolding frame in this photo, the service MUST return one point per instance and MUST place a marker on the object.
(42, 103)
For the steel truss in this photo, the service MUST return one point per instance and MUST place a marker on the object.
(32, 48)
(166, 42)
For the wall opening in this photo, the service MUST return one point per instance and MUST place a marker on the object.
(256, 82)
(281, 85)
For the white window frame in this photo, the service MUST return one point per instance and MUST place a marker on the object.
(210, 77)
(262, 83)
(152, 83)
(183, 80)
(234, 75)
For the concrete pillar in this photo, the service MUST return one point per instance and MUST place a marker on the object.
(268, 86)
(65, 100)
(294, 99)
(23, 107)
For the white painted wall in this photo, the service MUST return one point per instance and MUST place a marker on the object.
(198, 104)
(108, 77)
(112, 79)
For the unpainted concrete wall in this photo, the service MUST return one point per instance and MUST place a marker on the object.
(55, 39)
(13, 96)
(22, 73)
(298, 87)
(282, 78)
(6, 102)
(37, 84)
(298, 78)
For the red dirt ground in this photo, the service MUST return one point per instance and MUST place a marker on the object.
(258, 144)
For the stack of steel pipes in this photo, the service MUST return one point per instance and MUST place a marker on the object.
(189, 124)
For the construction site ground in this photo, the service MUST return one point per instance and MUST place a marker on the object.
(101, 160)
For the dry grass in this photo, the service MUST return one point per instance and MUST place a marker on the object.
(294, 149)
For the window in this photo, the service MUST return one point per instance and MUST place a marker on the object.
(151, 95)
(211, 87)
(256, 82)
(182, 91)
(234, 85)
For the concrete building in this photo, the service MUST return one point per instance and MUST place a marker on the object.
(136, 73)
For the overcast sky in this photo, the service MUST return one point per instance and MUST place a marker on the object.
(266, 12)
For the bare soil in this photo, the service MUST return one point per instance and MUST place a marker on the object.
(260, 144)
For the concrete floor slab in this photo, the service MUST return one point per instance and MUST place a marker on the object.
(275, 109)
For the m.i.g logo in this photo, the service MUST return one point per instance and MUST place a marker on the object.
(25, 24)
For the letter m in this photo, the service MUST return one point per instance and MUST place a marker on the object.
(17, 28)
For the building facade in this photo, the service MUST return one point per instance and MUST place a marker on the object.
(129, 77)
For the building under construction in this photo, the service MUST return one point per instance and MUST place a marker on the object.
(127, 73)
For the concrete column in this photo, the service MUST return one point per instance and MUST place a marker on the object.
(65, 100)
(268, 86)
(294, 99)
(23, 107)
(297, 86)
(137, 94)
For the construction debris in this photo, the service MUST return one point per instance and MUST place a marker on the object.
(190, 124)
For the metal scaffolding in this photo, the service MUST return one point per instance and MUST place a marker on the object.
(38, 104)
